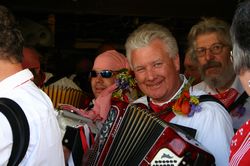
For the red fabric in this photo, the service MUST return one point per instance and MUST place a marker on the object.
(111, 60)
(227, 97)
(83, 139)
(240, 146)
(165, 116)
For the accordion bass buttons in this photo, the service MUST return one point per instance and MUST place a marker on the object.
(167, 158)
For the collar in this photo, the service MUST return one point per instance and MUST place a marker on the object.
(236, 85)
(15, 80)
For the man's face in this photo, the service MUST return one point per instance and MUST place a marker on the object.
(99, 83)
(214, 61)
(156, 73)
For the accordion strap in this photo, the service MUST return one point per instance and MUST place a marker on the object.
(188, 131)
(240, 101)
(204, 98)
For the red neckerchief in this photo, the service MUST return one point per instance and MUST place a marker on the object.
(164, 111)
(227, 97)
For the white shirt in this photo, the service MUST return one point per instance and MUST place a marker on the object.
(45, 147)
(237, 120)
(213, 125)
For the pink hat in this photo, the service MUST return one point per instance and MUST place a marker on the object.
(30, 58)
(111, 60)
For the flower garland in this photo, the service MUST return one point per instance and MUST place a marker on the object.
(127, 88)
(185, 104)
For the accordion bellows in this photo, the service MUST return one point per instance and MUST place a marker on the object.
(64, 95)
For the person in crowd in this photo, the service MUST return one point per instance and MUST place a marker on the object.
(16, 84)
(102, 77)
(152, 53)
(191, 68)
(103, 83)
(81, 77)
(106, 66)
(211, 42)
(240, 34)
(31, 61)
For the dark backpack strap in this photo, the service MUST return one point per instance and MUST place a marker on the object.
(20, 129)
(240, 101)
(204, 98)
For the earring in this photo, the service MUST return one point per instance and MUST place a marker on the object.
(231, 56)
(248, 83)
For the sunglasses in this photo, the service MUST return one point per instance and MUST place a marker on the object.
(103, 73)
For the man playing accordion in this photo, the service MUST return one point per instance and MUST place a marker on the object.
(152, 53)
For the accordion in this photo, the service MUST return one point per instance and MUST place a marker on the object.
(135, 136)
(60, 94)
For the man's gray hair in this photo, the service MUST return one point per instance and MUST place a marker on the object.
(240, 32)
(145, 33)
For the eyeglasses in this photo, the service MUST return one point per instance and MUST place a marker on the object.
(214, 49)
(103, 73)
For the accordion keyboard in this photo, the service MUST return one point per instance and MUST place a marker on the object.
(166, 158)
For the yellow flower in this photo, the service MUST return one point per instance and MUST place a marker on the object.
(194, 100)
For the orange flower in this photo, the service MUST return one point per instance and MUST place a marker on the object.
(184, 101)
(177, 105)
(186, 94)
(185, 107)
(182, 105)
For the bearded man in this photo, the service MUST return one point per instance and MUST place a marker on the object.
(211, 42)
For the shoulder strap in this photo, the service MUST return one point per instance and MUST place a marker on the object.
(20, 129)
(204, 98)
(240, 101)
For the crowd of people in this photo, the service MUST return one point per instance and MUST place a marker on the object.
(210, 97)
